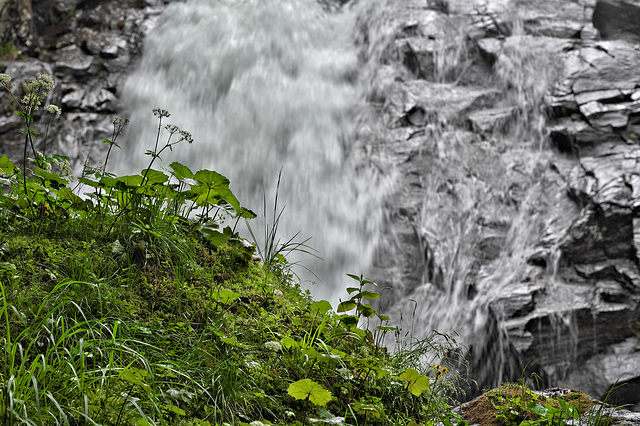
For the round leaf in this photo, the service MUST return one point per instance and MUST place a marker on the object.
(307, 388)
(320, 307)
(416, 382)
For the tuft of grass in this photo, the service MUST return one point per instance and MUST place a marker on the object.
(516, 404)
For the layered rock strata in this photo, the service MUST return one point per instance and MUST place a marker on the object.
(513, 129)
(88, 47)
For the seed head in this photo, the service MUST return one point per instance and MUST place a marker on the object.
(120, 122)
(161, 113)
(172, 129)
(186, 136)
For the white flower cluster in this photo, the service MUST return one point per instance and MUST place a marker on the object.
(37, 90)
(273, 346)
(63, 165)
(53, 109)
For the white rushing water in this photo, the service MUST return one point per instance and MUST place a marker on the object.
(264, 85)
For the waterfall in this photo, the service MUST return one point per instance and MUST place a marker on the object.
(448, 216)
(485, 201)
(264, 86)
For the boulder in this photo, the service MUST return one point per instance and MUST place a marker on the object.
(511, 128)
(554, 18)
(618, 19)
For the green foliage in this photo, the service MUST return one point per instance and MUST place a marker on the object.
(518, 405)
(416, 382)
(138, 303)
(310, 390)
(9, 52)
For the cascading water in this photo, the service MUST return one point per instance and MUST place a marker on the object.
(268, 84)
(485, 198)
(265, 85)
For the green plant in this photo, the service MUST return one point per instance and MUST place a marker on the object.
(355, 301)
(518, 405)
(8, 51)
(140, 304)
(273, 251)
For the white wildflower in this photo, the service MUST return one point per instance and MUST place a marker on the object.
(273, 346)
(4, 78)
(53, 109)
(45, 82)
(254, 365)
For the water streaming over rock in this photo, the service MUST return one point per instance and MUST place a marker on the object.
(265, 85)
(474, 202)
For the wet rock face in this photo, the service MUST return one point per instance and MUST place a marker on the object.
(514, 130)
(88, 46)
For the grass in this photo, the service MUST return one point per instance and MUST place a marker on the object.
(140, 304)
(94, 336)
(515, 404)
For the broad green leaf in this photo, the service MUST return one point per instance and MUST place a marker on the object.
(216, 237)
(155, 176)
(135, 376)
(416, 382)
(6, 166)
(246, 213)
(131, 181)
(224, 296)
(349, 320)
(537, 408)
(320, 306)
(352, 289)
(346, 306)
(311, 352)
(55, 180)
(176, 410)
(89, 182)
(108, 182)
(180, 171)
(205, 176)
(67, 194)
(213, 186)
(366, 311)
(215, 331)
(374, 411)
(369, 295)
(233, 342)
(288, 343)
(307, 388)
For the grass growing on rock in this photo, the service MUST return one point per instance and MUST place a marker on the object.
(518, 405)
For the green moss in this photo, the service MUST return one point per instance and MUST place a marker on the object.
(8, 51)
